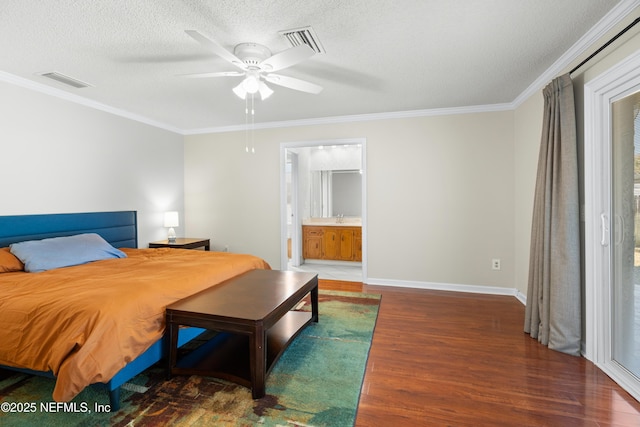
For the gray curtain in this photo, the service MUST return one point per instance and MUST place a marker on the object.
(553, 311)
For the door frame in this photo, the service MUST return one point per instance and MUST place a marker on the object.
(616, 83)
(283, 193)
(296, 250)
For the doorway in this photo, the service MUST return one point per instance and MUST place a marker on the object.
(323, 182)
(612, 223)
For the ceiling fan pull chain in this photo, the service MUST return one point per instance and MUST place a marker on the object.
(253, 122)
(246, 125)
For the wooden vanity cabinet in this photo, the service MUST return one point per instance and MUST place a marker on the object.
(357, 245)
(312, 242)
(330, 243)
(334, 243)
(345, 240)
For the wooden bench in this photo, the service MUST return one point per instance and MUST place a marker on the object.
(253, 315)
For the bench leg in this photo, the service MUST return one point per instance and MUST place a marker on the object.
(258, 361)
(314, 304)
(172, 348)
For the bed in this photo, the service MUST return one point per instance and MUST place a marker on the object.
(100, 322)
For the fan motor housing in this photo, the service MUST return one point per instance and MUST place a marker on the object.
(251, 53)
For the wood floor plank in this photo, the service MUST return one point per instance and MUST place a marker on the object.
(457, 359)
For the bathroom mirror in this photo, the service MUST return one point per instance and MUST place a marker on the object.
(335, 192)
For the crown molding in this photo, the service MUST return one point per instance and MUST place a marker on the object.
(77, 99)
(356, 118)
(52, 91)
(610, 20)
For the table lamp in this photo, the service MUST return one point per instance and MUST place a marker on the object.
(171, 220)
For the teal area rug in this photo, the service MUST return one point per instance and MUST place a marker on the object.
(316, 382)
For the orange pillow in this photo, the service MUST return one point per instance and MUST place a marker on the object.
(9, 262)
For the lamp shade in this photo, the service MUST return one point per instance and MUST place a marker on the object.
(171, 219)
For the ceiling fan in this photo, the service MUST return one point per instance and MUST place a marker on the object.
(256, 64)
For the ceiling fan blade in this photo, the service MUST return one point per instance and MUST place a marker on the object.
(216, 74)
(287, 58)
(293, 83)
(216, 48)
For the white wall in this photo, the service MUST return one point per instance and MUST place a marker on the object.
(57, 156)
(528, 129)
(440, 195)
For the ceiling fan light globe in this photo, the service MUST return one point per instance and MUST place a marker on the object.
(240, 91)
(265, 91)
(251, 84)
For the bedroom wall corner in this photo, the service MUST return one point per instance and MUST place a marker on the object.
(62, 157)
(527, 133)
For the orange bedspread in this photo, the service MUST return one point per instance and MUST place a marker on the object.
(84, 323)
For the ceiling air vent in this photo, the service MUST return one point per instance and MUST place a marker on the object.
(65, 79)
(304, 35)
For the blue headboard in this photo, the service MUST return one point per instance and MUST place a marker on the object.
(120, 228)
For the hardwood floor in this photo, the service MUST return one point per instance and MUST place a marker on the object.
(458, 359)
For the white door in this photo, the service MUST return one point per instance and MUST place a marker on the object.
(612, 224)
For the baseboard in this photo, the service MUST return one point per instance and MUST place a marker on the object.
(521, 297)
(332, 262)
(476, 289)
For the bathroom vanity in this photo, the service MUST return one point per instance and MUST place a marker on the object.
(332, 241)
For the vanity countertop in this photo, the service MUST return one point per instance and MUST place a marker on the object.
(333, 222)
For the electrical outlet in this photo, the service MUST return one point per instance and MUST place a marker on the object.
(495, 264)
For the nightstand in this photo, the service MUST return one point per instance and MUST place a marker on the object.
(182, 243)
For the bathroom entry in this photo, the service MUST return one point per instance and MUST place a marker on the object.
(323, 190)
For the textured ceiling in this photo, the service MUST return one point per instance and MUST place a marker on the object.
(381, 55)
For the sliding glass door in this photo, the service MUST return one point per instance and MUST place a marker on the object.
(612, 222)
(625, 234)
